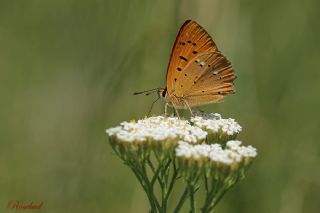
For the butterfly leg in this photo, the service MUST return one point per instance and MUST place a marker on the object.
(152, 106)
(174, 107)
(176, 112)
(165, 109)
(186, 103)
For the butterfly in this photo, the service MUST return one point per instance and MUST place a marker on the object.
(198, 73)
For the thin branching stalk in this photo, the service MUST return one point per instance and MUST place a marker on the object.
(183, 198)
(191, 194)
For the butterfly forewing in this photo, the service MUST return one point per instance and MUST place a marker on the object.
(192, 41)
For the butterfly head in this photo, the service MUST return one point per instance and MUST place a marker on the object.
(163, 93)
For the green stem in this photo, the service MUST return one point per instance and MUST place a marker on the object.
(216, 200)
(210, 196)
(149, 186)
(222, 192)
(191, 194)
(206, 185)
(167, 170)
(181, 201)
(164, 186)
(146, 189)
(161, 174)
(155, 172)
(173, 179)
(193, 180)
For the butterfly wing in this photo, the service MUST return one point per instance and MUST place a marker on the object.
(192, 41)
(206, 79)
(198, 73)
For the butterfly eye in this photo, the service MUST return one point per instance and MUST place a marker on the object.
(164, 93)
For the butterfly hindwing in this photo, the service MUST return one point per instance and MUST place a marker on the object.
(216, 77)
(206, 79)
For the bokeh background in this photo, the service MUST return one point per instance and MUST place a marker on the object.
(68, 70)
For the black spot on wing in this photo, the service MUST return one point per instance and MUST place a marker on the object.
(183, 58)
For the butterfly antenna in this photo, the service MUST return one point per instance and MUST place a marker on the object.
(147, 92)
(152, 106)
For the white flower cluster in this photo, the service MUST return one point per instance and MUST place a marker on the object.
(244, 151)
(208, 141)
(232, 156)
(215, 125)
(157, 129)
(206, 145)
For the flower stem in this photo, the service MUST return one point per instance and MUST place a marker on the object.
(224, 190)
(173, 179)
(191, 194)
(182, 200)
(147, 190)
(206, 185)
(215, 187)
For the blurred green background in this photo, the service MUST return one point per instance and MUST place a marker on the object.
(68, 70)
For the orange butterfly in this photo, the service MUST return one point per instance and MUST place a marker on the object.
(197, 73)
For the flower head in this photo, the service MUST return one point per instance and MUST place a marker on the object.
(211, 158)
(219, 130)
(207, 142)
(157, 132)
